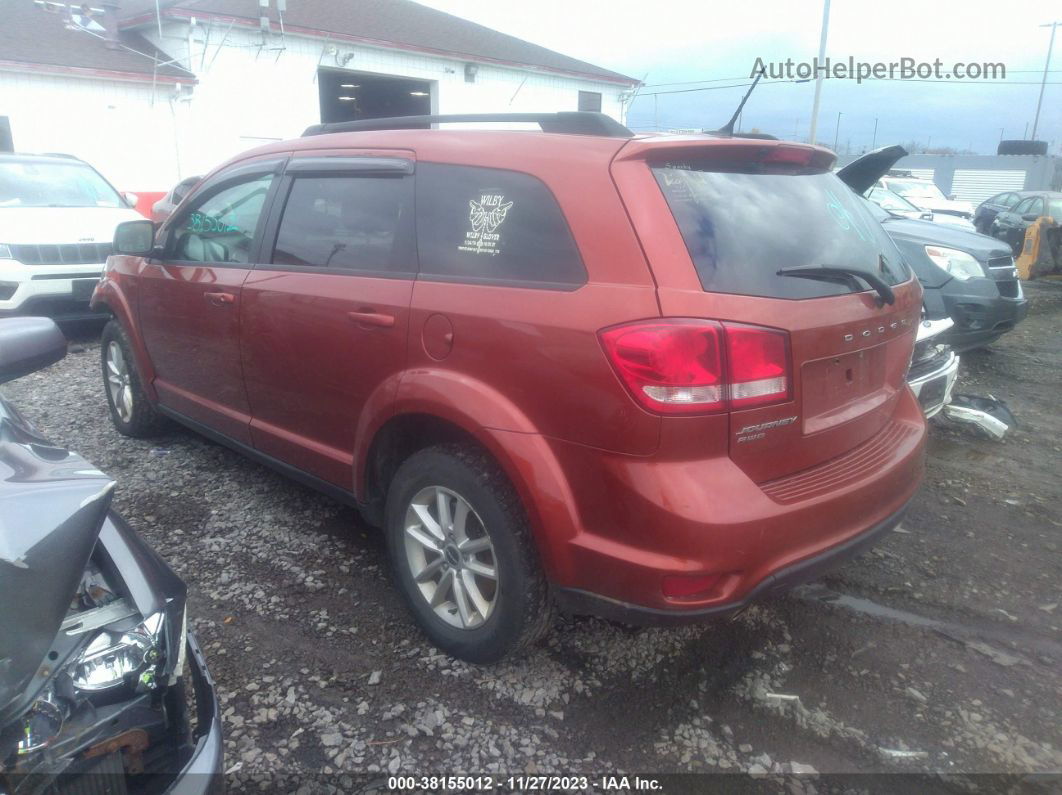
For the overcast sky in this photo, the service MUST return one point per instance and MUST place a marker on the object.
(668, 41)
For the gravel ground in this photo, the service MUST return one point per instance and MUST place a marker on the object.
(937, 651)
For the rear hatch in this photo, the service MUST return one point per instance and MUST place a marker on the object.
(719, 219)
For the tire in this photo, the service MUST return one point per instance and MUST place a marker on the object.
(513, 609)
(131, 411)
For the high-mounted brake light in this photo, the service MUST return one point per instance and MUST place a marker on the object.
(797, 155)
(691, 366)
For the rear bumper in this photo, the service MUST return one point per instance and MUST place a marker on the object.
(573, 600)
(642, 520)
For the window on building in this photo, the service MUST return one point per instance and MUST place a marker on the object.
(590, 100)
(221, 228)
(491, 225)
(350, 223)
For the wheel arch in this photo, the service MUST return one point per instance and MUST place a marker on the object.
(422, 418)
(110, 295)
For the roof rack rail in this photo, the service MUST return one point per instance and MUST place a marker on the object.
(566, 122)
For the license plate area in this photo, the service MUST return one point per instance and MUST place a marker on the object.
(839, 388)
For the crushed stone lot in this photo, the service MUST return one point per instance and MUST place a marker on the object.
(939, 650)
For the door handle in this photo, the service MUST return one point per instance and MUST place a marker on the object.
(366, 317)
(220, 299)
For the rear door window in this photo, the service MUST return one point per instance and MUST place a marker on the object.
(742, 228)
(356, 223)
(490, 225)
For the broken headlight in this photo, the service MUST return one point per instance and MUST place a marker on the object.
(114, 658)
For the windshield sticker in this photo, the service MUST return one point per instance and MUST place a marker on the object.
(198, 222)
(485, 217)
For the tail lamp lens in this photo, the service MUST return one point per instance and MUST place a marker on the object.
(759, 365)
(673, 366)
(689, 366)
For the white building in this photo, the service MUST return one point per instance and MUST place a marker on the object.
(150, 97)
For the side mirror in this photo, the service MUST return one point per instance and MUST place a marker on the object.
(28, 344)
(1030, 217)
(135, 238)
(130, 198)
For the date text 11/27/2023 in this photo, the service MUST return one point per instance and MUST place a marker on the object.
(524, 783)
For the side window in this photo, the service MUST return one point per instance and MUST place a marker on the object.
(491, 225)
(1023, 207)
(221, 228)
(1010, 200)
(1037, 206)
(353, 223)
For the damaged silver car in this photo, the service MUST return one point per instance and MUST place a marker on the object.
(102, 686)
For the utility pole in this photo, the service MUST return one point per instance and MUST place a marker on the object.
(837, 131)
(1047, 65)
(818, 74)
(874, 140)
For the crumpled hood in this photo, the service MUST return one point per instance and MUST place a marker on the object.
(62, 224)
(52, 505)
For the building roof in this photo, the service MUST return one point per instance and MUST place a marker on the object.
(399, 24)
(43, 37)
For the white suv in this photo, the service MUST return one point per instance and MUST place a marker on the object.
(57, 220)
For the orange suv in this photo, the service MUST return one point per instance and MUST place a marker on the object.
(647, 377)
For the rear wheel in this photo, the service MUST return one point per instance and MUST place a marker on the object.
(463, 556)
(131, 412)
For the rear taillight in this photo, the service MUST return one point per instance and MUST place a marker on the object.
(689, 366)
(758, 363)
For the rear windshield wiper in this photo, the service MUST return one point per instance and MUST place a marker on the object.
(848, 275)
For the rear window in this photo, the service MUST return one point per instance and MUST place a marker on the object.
(741, 229)
(489, 225)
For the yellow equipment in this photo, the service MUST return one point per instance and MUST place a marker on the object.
(1041, 253)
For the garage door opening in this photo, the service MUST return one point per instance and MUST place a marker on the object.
(349, 96)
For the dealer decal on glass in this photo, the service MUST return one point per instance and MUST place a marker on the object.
(485, 217)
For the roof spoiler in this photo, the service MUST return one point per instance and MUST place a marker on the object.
(567, 123)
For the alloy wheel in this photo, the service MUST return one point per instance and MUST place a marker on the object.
(118, 382)
(451, 557)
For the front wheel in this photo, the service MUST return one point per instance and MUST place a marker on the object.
(131, 412)
(463, 556)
